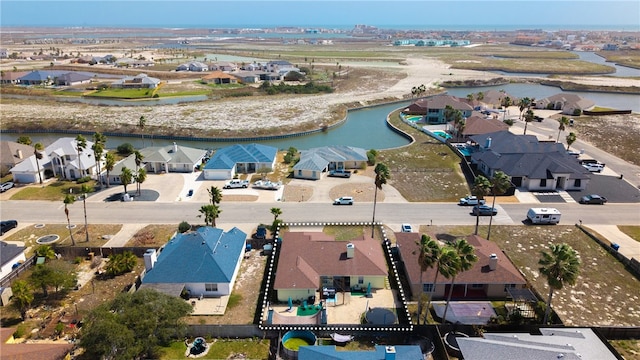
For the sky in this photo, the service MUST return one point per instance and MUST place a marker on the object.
(561, 14)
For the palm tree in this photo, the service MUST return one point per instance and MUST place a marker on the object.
(481, 188)
(141, 176)
(45, 251)
(562, 125)
(109, 163)
(560, 266)
(210, 213)
(22, 297)
(500, 183)
(84, 189)
(81, 144)
(69, 199)
(429, 255)
(99, 141)
(126, 176)
(276, 212)
(528, 117)
(571, 138)
(459, 123)
(480, 96)
(38, 155)
(141, 124)
(466, 258)
(215, 195)
(382, 174)
(524, 103)
(138, 159)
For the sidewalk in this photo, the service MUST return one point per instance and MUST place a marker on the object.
(628, 246)
(124, 235)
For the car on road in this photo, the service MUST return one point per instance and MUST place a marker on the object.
(593, 167)
(484, 210)
(593, 199)
(406, 228)
(6, 186)
(345, 200)
(470, 200)
(7, 225)
(340, 173)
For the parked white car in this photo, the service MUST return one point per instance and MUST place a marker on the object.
(236, 184)
(470, 200)
(593, 167)
(6, 186)
(345, 200)
(406, 228)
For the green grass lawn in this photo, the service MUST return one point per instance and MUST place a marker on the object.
(222, 349)
(55, 191)
(344, 233)
(631, 231)
(123, 93)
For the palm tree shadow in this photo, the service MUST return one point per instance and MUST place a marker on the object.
(448, 238)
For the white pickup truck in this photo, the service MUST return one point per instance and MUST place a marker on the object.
(471, 201)
(236, 184)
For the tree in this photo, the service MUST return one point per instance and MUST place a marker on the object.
(560, 266)
(99, 141)
(459, 123)
(210, 213)
(500, 183)
(138, 159)
(125, 149)
(121, 263)
(562, 125)
(37, 148)
(141, 124)
(126, 176)
(134, 325)
(22, 297)
(571, 138)
(25, 140)
(481, 188)
(429, 255)
(382, 174)
(371, 156)
(41, 278)
(84, 190)
(215, 195)
(81, 145)
(45, 251)
(276, 222)
(140, 177)
(58, 274)
(528, 117)
(466, 258)
(109, 164)
(69, 199)
(525, 103)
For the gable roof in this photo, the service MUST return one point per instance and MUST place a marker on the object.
(572, 343)
(477, 125)
(9, 151)
(67, 146)
(218, 75)
(12, 75)
(208, 255)
(318, 158)
(226, 158)
(31, 351)
(330, 352)
(305, 256)
(8, 252)
(174, 154)
(505, 273)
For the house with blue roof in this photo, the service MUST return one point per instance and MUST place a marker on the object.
(205, 263)
(314, 162)
(244, 159)
(381, 352)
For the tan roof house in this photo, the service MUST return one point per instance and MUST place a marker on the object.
(489, 278)
(434, 108)
(568, 103)
(219, 77)
(12, 350)
(11, 154)
(476, 125)
(310, 261)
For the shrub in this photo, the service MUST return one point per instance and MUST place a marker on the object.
(78, 260)
(83, 180)
(184, 227)
(155, 96)
(508, 122)
(125, 149)
(577, 112)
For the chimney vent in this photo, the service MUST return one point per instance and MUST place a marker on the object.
(150, 258)
(390, 353)
(19, 154)
(487, 144)
(493, 262)
(175, 147)
(351, 249)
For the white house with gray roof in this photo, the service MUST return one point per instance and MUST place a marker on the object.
(568, 103)
(314, 162)
(140, 81)
(172, 158)
(531, 164)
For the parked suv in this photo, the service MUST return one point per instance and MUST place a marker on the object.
(593, 167)
(7, 225)
(6, 186)
(470, 200)
(340, 173)
(345, 200)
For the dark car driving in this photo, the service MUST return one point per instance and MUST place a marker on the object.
(484, 210)
(593, 199)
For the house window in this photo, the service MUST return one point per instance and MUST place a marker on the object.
(360, 280)
(477, 286)
(577, 183)
(543, 182)
(210, 287)
(427, 287)
(299, 172)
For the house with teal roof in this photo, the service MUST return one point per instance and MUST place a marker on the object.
(204, 263)
(381, 352)
(243, 159)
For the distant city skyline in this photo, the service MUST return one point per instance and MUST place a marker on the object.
(416, 14)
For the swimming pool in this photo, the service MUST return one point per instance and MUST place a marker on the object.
(441, 133)
(465, 149)
(413, 118)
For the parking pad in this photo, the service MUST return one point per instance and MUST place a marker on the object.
(616, 190)
(549, 197)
